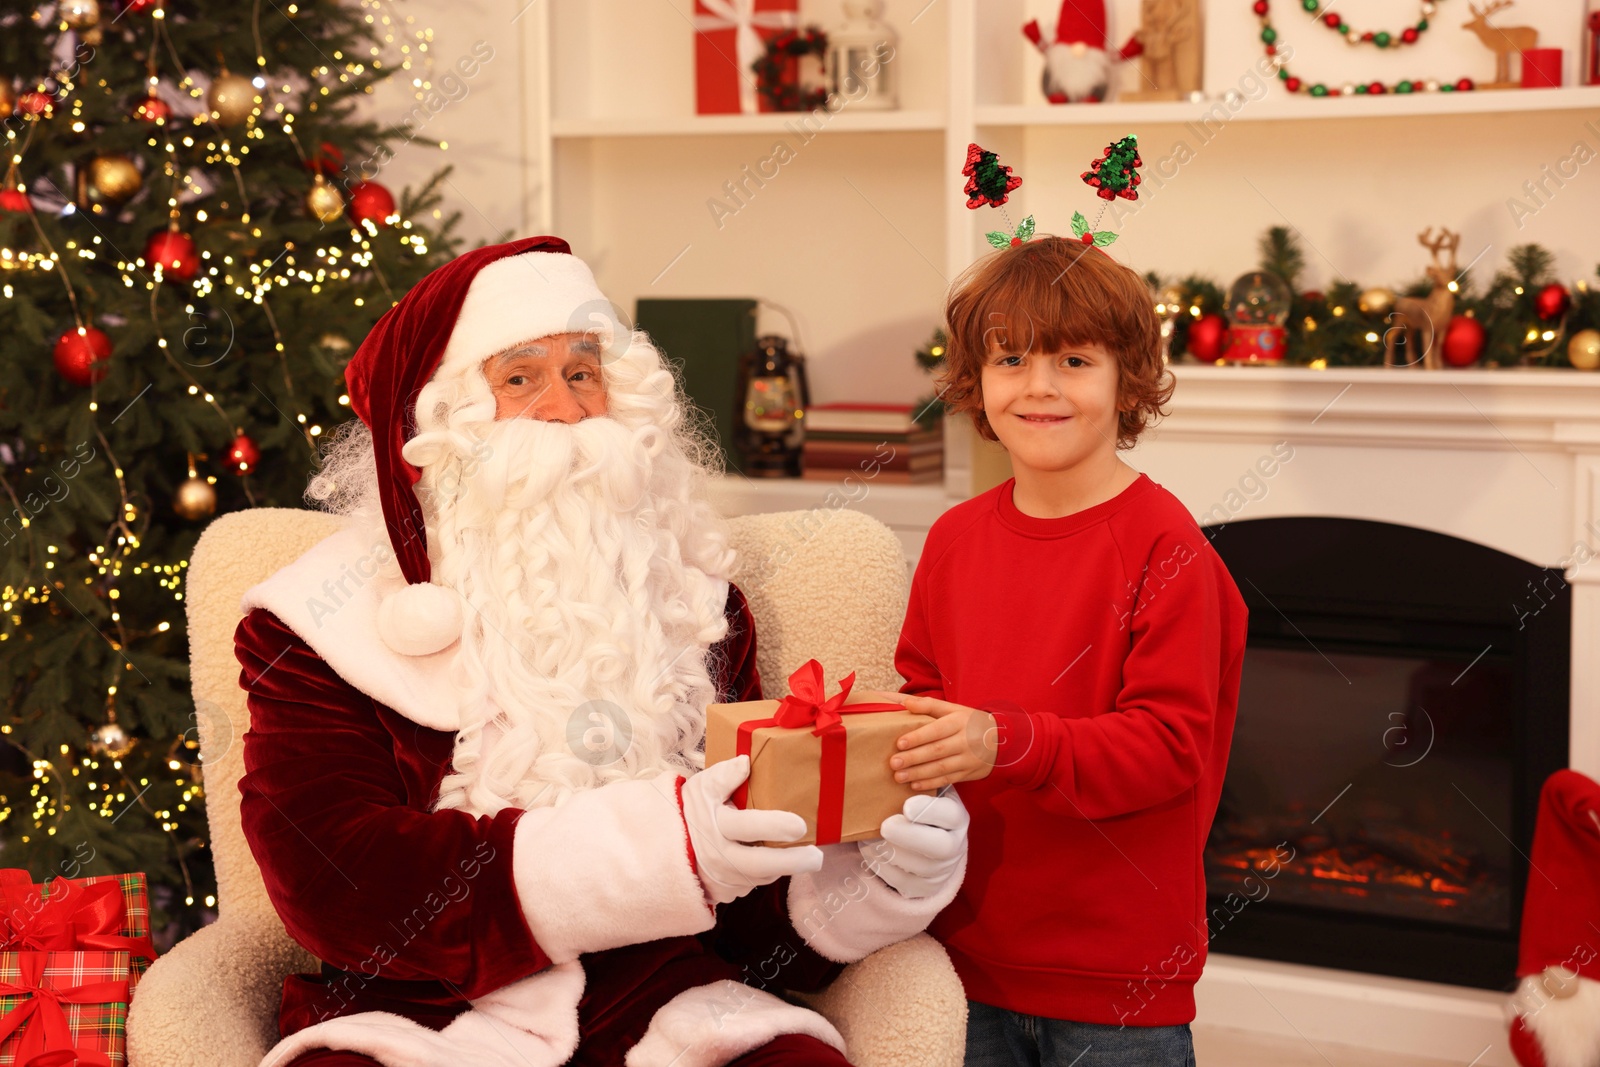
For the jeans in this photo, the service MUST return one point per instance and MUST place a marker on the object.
(1000, 1038)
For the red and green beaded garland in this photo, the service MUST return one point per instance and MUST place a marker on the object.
(1269, 39)
(1380, 38)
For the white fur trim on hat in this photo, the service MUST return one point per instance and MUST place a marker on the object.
(420, 619)
(520, 298)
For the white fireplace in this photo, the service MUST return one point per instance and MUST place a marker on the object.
(1505, 458)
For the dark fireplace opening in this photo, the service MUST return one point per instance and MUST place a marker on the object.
(1404, 695)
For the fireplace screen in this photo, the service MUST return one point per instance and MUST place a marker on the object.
(1380, 784)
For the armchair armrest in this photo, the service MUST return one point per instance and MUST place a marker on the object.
(213, 1000)
(902, 1006)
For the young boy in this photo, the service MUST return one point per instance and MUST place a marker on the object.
(1079, 643)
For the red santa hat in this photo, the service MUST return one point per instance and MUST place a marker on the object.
(479, 303)
(1555, 1022)
(1082, 22)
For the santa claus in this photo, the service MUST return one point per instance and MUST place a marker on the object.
(474, 780)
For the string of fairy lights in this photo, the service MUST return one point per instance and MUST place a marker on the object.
(235, 114)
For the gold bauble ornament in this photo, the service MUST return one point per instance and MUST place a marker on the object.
(324, 201)
(1376, 301)
(1583, 351)
(114, 178)
(113, 740)
(79, 14)
(195, 499)
(8, 97)
(232, 98)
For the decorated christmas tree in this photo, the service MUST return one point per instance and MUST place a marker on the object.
(193, 237)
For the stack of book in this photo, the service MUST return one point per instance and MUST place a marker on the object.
(873, 442)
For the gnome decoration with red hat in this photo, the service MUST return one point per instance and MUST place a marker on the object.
(1076, 67)
(1555, 1013)
(474, 780)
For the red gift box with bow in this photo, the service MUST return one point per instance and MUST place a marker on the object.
(730, 35)
(106, 912)
(60, 1008)
(825, 758)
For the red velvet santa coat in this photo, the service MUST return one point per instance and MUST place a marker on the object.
(414, 912)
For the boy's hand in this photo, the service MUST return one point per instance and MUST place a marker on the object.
(958, 746)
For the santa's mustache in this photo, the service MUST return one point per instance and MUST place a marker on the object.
(484, 469)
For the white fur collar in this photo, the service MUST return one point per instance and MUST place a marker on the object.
(330, 598)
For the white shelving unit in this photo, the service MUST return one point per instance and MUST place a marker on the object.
(864, 239)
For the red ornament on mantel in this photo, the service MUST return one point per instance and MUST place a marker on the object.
(174, 250)
(1208, 336)
(371, 202)
(79, 353)
(243, 455)
(1463, 341)
(1552, 301)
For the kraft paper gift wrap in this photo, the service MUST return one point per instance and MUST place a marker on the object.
(824, 758)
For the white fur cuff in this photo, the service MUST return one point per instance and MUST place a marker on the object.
(608, 868)
(712, 1025)
(846, 913)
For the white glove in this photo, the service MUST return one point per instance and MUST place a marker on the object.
(729, 866)
(921, 848)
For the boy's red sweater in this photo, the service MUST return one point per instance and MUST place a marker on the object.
(1108, 646)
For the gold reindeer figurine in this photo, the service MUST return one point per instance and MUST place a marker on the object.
(1502, 41)
(1427, 315)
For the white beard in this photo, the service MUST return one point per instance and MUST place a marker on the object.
(583, 656)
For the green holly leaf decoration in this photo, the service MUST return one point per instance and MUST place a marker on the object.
(1025, 229)
(1103, 238)
(999, 238)
(1080, 225)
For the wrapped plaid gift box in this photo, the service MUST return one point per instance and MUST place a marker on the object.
(106, 912)
(64, 1008)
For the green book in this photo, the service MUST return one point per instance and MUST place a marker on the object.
(704, 339)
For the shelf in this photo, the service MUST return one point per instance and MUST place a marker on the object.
(897, 505)
(1282, 107)
(810, 122)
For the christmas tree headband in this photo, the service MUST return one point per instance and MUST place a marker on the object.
(1114, 174)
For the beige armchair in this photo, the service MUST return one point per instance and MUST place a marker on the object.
(828, 584)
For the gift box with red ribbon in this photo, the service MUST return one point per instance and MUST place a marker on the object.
(64, 1008)
(105, 912)
(730, 35)
(825, 758)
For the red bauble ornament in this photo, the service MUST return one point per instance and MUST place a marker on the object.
(1463, 341)
(35, 103)
(1465, 85)
(1208, 336)
(175, 252)
(370, 201)
(152, 109)
(1552, 301)
(78, 355)
(243, 454)
(15, 200)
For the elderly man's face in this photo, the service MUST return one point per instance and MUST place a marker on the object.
(555, 378)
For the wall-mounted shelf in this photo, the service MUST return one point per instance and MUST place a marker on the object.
(843, 121)
(1280, 107)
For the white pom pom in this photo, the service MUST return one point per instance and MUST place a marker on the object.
(420, 619)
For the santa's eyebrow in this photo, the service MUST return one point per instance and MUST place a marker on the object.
(586, 349)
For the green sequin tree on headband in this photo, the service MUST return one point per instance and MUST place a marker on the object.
(1114, 174)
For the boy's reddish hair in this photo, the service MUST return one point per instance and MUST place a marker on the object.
(1041, 296)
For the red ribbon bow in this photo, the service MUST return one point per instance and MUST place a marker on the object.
(49, 1044)
(808, 705)
(72, 917)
